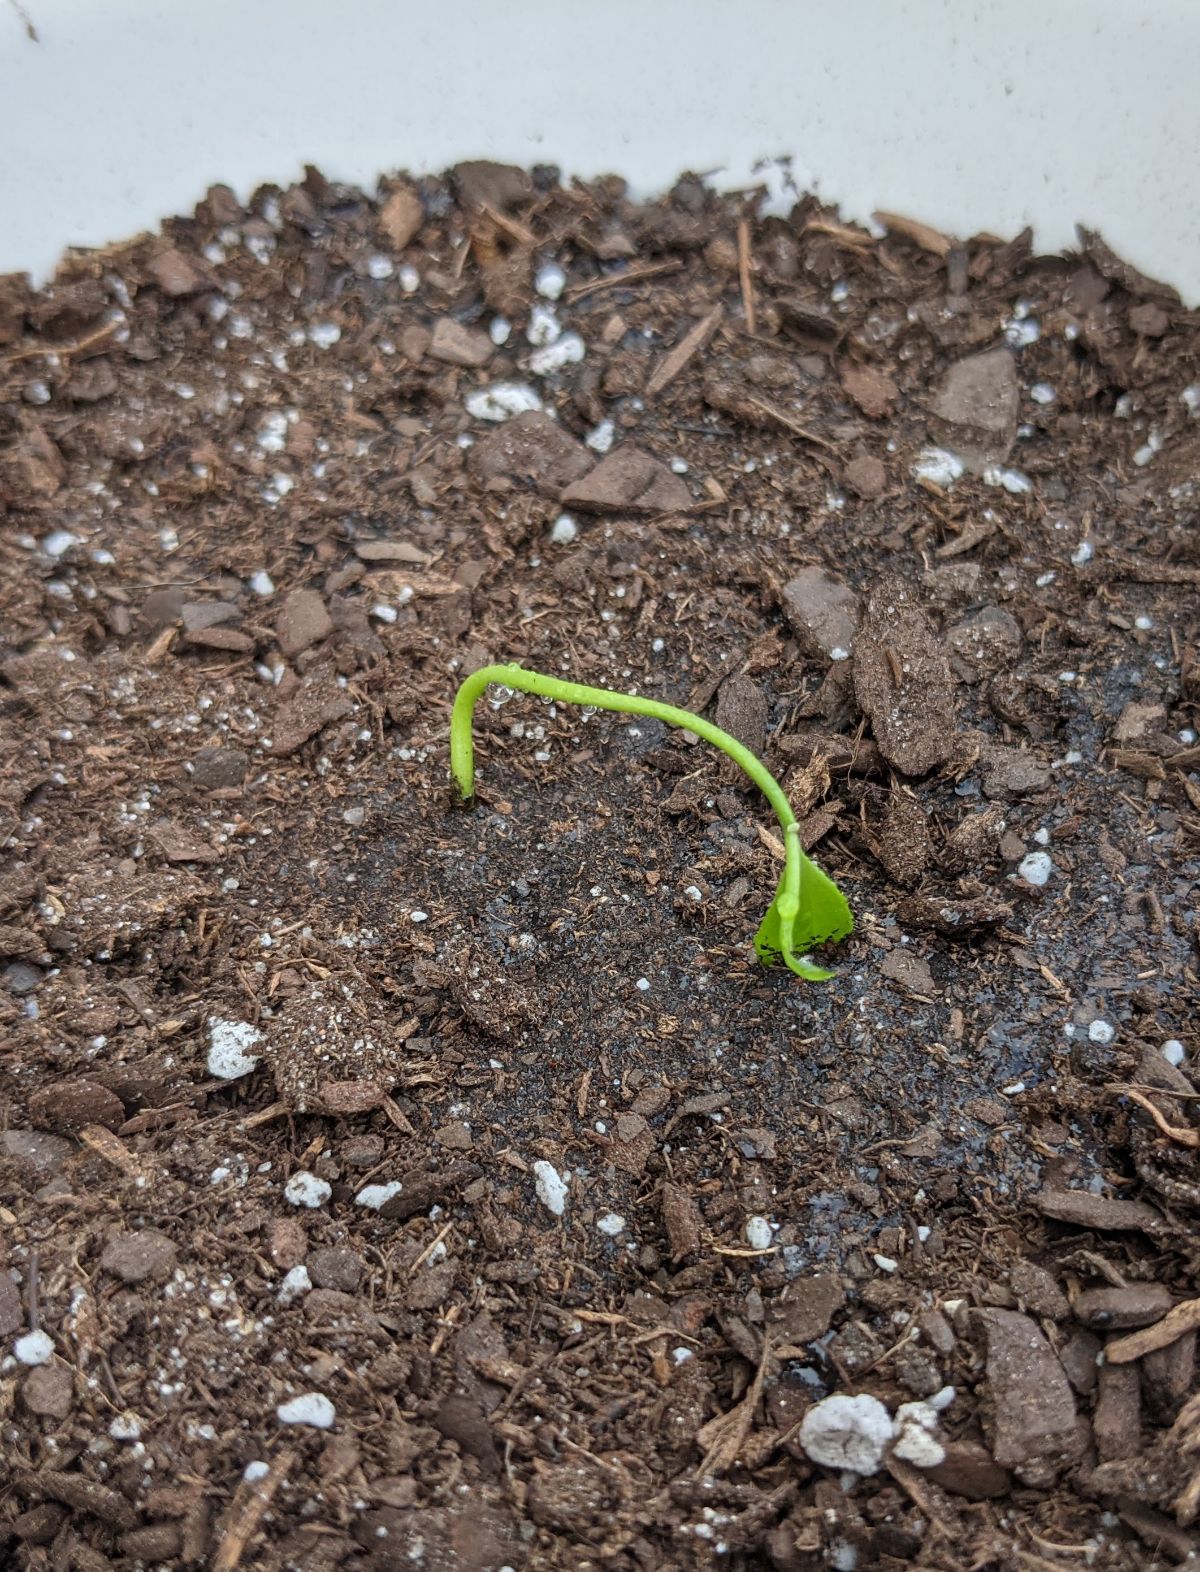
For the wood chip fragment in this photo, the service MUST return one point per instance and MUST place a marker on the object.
(1147, 765)
(82, 1495)
(519, 232)
(428, 584)
(392, 551)
(690, 344)
(973, 534)
(682, 1220)
(923, 235)
(114, 1151)
(1156, 1529)
(1104, 1213)
(772, 842)
(916, 1487)
(178, 844)
(1142, 570)
(840, 234)
(723, 1437)
(1177, 1323)
(159, 648)
(265, 1116)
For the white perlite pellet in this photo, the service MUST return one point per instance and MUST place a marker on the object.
(305, 1189)
(310, 1408)
(229, 1044)
(550, 1186)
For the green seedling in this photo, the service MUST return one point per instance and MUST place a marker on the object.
(808, 909)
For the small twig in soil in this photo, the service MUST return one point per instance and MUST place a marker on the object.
(1036, 1563)
(250, 1503)
(910, 1481)
(264, 1116)
(509, 226)
(838, 233)
(90, 340)
(429, 1249)
(722, 1438)
(1183, 1137)
(447, 1326)
(396, 1116)
(789, 424)
(31, 1293)
(1062, 1550)
(633, 275)
(907, 1336)
(656, 1332)
(1102, 1267)
(744, 279)
(1054, 981)
(676, 359)
(1162, 1091)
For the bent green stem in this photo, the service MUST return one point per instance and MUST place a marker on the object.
(808, 908)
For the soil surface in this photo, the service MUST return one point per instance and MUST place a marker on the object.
(389, 1185)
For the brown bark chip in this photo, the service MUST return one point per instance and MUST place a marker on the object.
(902, 681)
(1033, 1429)
(176, 274)
(458, 345)
(872, 390)
(530, 451)
(969, 1470)
(138, 1257)
(823, 613)
(303, 622)
(681, 1218)
(867, 476)
(805, 1310)
(318, 703)
(629, 480)
(1104, 1213)
(68, 1106)
(49, 1391)
(401, 217)
(978, 398)
(743, 711)
(1121, 1309)
(1117, 1420)
(12, 1314)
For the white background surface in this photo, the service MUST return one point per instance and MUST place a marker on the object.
(970, 116)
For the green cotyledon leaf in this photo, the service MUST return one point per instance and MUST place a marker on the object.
(795, 924)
